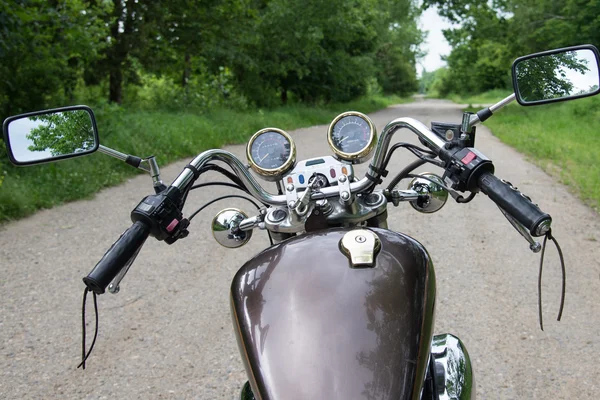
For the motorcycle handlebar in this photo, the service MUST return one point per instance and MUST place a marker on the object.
(515, 203)
(187, 176)
(117, 257)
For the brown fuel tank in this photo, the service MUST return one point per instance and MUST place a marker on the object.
(309, 326)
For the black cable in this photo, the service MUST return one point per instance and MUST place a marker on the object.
(416, 150)
(564, 278)
(403, 174)
(216, 168)
(222, 198)
(84, 355)
(232, 185)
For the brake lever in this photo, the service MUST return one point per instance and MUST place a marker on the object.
(534, 245)
(114, 287)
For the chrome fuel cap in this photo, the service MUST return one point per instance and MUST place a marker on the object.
(360, 246)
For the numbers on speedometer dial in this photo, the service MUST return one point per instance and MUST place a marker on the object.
(352, 136)
(271, 153)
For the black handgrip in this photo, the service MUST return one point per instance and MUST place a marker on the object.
(514, 203)
(116, 257)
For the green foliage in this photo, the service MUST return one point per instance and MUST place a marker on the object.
(542, 78)
(327, 51)
(493, 33)
(62, 133)
(43, 48)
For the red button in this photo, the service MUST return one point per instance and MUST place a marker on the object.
(332, 172)
(468, 158)
(172, 225)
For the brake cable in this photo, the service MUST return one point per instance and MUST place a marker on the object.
(564, 278)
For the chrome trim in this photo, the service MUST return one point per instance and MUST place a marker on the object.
(275, 173)
(360, 246)
(431, 190)
(363, 154)
(390, 129)
(226, 230)
(453, 362)
(121, 156)
(505, 101)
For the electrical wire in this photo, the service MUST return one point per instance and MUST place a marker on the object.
(222, 198)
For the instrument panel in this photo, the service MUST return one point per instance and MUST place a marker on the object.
(271, 153)
(352, 137)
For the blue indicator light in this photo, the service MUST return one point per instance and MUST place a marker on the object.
(301, 179)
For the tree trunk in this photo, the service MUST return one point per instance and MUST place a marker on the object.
(186, 70)
(116, 85)
(284, 96)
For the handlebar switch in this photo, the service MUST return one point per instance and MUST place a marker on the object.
(464, 166)
(161, 213)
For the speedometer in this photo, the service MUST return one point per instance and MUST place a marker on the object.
(352, 136)
(271, 153)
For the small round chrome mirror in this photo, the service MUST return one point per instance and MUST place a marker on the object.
(225, 228)
(434, 196)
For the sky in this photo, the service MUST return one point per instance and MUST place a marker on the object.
(435, 44)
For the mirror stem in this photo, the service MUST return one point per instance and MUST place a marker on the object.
(159, 186)
(487, 112)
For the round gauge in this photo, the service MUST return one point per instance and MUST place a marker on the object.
(352, 136)
(271, 153)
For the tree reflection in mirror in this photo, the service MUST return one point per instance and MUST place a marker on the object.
(51, 135)
(557, 76)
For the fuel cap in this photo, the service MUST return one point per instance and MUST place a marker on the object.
(360, 246)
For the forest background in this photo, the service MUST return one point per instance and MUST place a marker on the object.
(173, 78)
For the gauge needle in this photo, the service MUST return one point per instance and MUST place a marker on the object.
(261, 160)
(344, 138)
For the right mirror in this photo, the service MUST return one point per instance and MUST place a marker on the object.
(556, 75)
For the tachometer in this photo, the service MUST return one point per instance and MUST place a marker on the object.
(352, 136)
(271, 153)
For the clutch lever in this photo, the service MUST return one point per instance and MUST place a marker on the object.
(114, 287)
(534, 245)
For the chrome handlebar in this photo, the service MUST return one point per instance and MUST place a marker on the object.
(186, 177)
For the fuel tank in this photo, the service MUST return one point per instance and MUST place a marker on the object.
(310, 324)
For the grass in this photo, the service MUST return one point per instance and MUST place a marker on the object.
(169, 136)
(562, 138)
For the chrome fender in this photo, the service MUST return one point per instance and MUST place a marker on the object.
(453, 373)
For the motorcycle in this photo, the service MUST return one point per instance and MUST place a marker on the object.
(333, 266)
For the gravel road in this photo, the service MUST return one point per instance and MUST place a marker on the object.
(168, 334)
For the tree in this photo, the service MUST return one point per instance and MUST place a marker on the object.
(43, 46)
(549, 77)
(62, 133)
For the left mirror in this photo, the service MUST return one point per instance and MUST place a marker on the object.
(51, 135)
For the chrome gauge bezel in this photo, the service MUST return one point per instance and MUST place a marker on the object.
(365, 152)
(272, 174)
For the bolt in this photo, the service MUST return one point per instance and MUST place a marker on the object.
(345, 195)
(449, 134)
(290, 188)
(291, 204)
(361, 239)
(342, 178)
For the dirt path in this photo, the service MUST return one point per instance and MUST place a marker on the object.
(168, 334)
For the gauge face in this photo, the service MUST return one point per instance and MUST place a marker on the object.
(271, 152)
(352, 136)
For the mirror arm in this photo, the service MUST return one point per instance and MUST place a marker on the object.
(131, 160)
(487, 112)
(159, 186)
